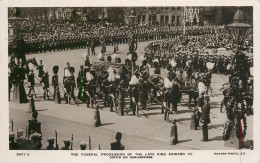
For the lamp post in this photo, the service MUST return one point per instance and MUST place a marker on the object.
(132, 43)
(132, 46)
(238, 29)
(17, 23)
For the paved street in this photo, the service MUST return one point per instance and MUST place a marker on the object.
(148, 131)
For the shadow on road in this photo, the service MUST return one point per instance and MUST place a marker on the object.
(105, 124)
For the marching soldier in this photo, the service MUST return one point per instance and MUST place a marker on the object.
(46, 84)
(80, 82)
(134, 94)
(226, 90)
(117, 145)
(31, 82)
(40, 72)
(55, 80)
(144, 87)
(205, 118)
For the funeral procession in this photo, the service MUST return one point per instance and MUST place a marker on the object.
(130, 78)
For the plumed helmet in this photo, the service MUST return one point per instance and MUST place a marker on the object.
(55, 69)
(72, 69)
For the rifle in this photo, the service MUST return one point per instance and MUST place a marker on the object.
(42, 85)
(26, 132)
(12, 125)
(71, 145)
(56, 140)
(66, 92)
(89, 140)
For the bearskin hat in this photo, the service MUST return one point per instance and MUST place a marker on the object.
(55, 69)
(118, 60)
(109, 58)
(127, 61)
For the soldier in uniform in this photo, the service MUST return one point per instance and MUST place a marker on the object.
(93, 48)
(175, 95)
(12, 144)
(66, 145)
(55, 80)
(226, 90)
(34, 124)
(134, 91)
(35, 143)
(144, 87)
(83, 145)
(31, 82)
(117, 145)
(80, 82)
(72, 84)
(51, 144)
(205, 118)
(40, 72)
(46, 84)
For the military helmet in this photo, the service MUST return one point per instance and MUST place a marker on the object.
(72, 69)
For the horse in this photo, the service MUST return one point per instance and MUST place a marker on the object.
(26, 64)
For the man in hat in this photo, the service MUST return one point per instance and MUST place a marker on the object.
(40, 72)
(66, 144)
(34, 124)
(72, 84)
(175, 95)
(144, 87)
(51, 144)
(117, 145)
(55, 80)
(83, 145)
(12, 144)
(205, 118)
(93, 48)
(36, 141)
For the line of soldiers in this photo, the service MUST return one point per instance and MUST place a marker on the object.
(32, 140)
(53, 41)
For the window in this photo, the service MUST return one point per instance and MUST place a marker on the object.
(166, 19)
(143, 18)
(173, 19)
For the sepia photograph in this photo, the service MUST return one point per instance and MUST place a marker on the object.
(131, 78)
